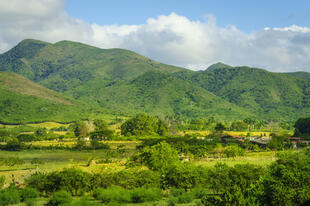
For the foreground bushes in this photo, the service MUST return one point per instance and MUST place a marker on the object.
(285, 182)
(120, 195)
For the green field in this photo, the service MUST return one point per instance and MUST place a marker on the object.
(59, 159)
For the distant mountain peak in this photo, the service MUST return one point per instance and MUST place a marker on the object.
(218, 65)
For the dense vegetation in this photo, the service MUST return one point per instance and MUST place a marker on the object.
(160, 168)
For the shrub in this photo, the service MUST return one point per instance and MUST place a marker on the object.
(72, 180)
(30, 202)
(139, 195)
(10, 195)
(59, 198)
(14, 145)
(29, 193)
(26, 137)
(112, 194)
(186, 197)
(175, 192)
(183, 175)
(2, 181)
(157, 157)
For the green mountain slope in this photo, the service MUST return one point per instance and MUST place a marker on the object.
(22, 100)
(302, 75)
(119, 81)
(66, 65)
(161, 94)
(267, 95)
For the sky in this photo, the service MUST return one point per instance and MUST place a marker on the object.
(269, 34)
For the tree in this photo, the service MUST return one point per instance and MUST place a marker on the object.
(157, 157)
(100, 125)
(80, 129)
(41, 132)
(233, 151)
(239, 126)
(277, 142)
(219, 127)
(302, 127)
(286, 183)
(143, 124)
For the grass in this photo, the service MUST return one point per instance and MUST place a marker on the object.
(258, 158)
(232, 133)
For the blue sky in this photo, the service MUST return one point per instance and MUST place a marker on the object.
(247, 15)
(269, 34)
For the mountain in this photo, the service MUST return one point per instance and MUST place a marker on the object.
(22, 100)
(163, 94)
(121, 82)
(266, 94)
(65, 65)
(302, 75)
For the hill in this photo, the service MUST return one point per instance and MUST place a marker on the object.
(65, 65)
(164, 95)
(302, 75)
(22, 100)
(267, 95)
(122, 82)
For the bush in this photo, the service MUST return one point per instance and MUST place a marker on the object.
(29, 193)
(2, 181)
(157, 157)
(10, 195)
(72, 180)
(112, 194)
(59, 198)
(139, 195)
(26, 137)
(14, 145)
(186, 197)
(183, 175)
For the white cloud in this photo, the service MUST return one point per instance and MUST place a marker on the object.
(171, 39)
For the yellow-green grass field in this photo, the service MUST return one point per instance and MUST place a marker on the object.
(258, 158)
(232, 133)
(53, 160)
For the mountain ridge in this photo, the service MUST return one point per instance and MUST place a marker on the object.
(124, 82)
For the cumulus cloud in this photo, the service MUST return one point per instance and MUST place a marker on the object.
(171, 39)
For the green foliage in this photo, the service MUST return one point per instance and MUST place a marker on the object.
(10, 195)
(302, 127)
(112, 194)
(71, 180)
(139, 195)
(277, 142)
(219, 127)
(29, 193)
(120, 195)
(286, 183)
(183, 175)
(239, 126)
(60, 198)
(41, 132)
(80, 129)
(100, 124)
(157, 157)
(234, 151)
(14, 145)
(11, 161)
(143, 124)
(26, 138)
(2, 181)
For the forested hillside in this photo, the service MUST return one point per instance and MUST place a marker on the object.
(124, 83)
